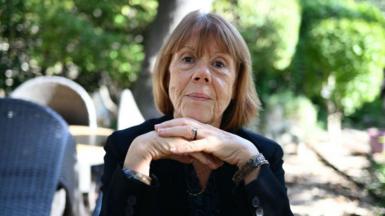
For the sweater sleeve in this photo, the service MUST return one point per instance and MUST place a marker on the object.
(123, 195)
(266, 195)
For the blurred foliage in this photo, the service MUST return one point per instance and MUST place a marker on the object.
(338, 45)
(341, 54)
(317, 10)
(323, 49)
(371, 114)
(270, 29)
(82, 40)
(296, 108)
(289, 112)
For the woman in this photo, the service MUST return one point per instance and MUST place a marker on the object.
(197, 159)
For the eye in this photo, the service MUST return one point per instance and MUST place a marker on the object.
(188, 59)
(219, 64)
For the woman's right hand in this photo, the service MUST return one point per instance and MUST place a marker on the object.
(150, 146)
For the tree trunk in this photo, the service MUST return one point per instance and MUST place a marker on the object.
(334, 120)
(170, 12)
(382, 94)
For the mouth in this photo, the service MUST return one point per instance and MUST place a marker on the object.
(199, 96)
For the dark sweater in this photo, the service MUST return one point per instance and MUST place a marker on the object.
(169, 195)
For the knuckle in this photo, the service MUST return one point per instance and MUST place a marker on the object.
(185, 121)
(189, 147)
(168, 147)
(162, 147)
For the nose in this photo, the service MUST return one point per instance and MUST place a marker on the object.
(202, 73)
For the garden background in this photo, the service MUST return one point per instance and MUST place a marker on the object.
(318, 64)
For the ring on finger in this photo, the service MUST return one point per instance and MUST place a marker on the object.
(194, 133)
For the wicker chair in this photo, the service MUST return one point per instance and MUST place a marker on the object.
(34, 141)
(63, 95)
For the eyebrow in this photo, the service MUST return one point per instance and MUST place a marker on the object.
(216, 53)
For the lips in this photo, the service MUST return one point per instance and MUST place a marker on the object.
(198, 96)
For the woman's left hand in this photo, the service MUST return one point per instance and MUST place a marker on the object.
(223, 145)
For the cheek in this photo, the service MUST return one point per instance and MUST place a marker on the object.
(172, 90)
(225, 92)
(175, 90)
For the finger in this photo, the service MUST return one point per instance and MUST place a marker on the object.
(186, 132)
(216, 161)
(204, 146)
(205, 159)
(176, 122)
(188, 147)
(182, 158)
(194, 149)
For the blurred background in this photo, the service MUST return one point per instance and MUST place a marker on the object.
(319, 69)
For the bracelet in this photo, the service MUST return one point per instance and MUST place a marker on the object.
(254, 162)
(129, 173)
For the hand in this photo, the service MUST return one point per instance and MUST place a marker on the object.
(210, 140)
(151, 146)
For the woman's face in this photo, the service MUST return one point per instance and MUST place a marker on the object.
(201, 87)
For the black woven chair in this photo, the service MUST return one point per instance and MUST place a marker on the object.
(33, 141)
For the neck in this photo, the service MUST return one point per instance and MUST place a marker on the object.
(203, 173)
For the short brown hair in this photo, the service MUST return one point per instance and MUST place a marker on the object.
(245, 104)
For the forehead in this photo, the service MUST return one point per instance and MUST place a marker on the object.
(200, 47)
(203, 39)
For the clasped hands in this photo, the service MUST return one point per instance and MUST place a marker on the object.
(173, 140)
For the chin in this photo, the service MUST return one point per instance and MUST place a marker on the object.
(200, 116)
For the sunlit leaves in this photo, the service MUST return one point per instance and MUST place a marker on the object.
(74, 38)
(271, 29)
(347, 47)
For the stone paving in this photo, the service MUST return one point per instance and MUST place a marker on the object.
(316, 185)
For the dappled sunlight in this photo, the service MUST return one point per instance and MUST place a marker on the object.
(331, 176)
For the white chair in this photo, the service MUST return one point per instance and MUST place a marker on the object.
(129, 113)
(63, 95)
